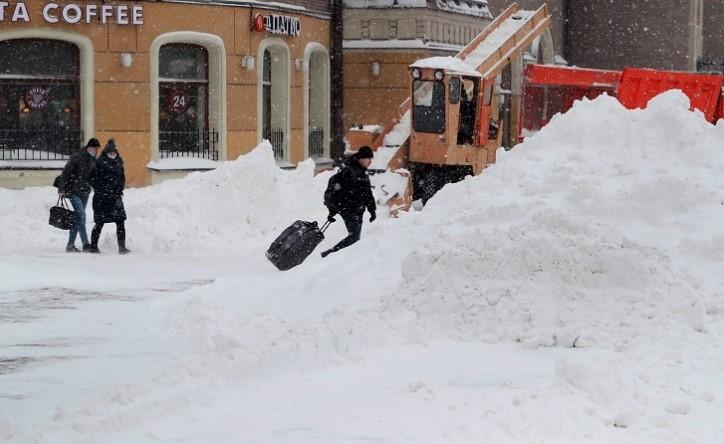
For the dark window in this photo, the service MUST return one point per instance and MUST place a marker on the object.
(428, 106)
(184, 103)
(39, 99)
(454, 90)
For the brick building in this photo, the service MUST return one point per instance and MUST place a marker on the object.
(683, 35)
(180, 85)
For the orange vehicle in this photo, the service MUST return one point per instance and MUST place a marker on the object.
(451, 127)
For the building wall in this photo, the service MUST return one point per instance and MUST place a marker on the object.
(408, 24)
(612, 35)
(122, 95)
(714, 32)
(370, 99)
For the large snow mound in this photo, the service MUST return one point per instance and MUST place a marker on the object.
(602, 233)
(598, 240)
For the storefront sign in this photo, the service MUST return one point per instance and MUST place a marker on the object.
(177, 101)
(37, 98)
(72, 13)
(277, 24)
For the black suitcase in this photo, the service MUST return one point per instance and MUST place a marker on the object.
(295, 244)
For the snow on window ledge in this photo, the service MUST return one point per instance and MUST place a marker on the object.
(32, 164)
(183, 163)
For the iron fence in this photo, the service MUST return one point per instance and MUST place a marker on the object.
(275, 136)
(39, 144)
(200, 144)
(316, 142)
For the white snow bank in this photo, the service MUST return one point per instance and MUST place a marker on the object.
(601, 233)
(592, 253)
(218, 211)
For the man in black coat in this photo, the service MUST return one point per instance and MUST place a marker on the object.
(74, 183)
(348, 194)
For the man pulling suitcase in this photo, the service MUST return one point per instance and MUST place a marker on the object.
(348, 194)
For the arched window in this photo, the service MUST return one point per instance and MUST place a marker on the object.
(275, 98)
(39, 99)
(318, 105)
(183, 118)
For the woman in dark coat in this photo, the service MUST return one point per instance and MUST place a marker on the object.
(108, 182)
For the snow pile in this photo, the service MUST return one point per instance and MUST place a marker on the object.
(246, 200)
(589, 257)
(602, 234)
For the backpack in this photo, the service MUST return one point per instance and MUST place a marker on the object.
(333, 193)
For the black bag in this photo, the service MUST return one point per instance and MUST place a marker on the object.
(61, 216)
(295, 244)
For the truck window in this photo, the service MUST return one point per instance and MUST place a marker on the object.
(428, 106)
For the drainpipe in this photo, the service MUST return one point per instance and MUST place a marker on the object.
(567, 31)
(337, 81)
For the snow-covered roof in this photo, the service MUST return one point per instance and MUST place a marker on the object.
(400, 44)
(477, 8)
(450, 64)
(362, 4)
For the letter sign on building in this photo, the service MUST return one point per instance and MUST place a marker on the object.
(277, 24)
(73, 14)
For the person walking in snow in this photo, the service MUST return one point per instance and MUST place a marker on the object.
(74, 183)
(108, 183)
(348, 194)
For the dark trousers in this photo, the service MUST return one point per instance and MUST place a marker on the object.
(353, 222)
(120, 234)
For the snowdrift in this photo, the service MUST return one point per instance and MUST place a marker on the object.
(220, 211)
(600, 233)
(599, 239)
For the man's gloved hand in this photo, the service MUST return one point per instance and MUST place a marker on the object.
(373, 216)
(331, 218)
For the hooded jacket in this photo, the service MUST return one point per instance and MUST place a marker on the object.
(349, 191)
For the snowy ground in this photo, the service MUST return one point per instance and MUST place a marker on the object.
(572, 293)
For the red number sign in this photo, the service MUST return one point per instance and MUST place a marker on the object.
(177, 101)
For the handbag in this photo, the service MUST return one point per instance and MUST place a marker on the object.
(61, 216)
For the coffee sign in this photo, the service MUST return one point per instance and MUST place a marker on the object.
(277, 24)
(37, 98)
(73, 14)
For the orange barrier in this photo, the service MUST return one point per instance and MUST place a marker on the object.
(638, 86)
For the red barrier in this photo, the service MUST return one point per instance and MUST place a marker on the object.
(638, 86)
(549, 90)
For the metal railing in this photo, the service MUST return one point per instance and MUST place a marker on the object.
(39, 144)
(316, 142)
(200, 144)
(275, 136)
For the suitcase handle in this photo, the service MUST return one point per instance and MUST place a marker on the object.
(325, 226)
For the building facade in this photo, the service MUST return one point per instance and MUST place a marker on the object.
(179, 85)
(381, 40)
(681, 35)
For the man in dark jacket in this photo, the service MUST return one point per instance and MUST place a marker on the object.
(74, 183)
(348, 194)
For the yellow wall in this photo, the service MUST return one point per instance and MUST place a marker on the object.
(372, 99)
(122, 95)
